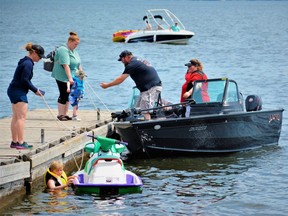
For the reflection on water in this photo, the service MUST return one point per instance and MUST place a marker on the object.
(56, 202)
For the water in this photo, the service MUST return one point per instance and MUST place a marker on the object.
(243, 40)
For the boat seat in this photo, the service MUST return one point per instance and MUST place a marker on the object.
(107, 172)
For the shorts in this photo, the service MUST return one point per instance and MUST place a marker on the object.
(73, 101)
(75, 96)
(148, 99)
(16, 95)
(63, 96)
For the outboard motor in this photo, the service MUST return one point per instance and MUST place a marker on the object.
(253, 103)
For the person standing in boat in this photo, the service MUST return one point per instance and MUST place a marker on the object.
(17, 93)
(67, 62)
(194, 72)
(145, 77)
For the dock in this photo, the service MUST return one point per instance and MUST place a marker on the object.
(52, 140)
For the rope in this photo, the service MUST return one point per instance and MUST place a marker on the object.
(54, 115)
(71, 130)
(97, 96)
(82, 160)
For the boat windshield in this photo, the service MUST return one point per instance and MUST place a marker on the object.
(215, 90)
(162, 19)
(220, 90)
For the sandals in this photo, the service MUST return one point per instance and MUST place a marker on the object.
(62, 118)
(68, 118)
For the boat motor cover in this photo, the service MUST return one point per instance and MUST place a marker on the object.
(253, 103)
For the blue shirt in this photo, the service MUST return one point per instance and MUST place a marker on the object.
(77, 90)
(23, 75)
(175, 28)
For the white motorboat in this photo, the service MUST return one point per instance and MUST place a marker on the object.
(162, 26)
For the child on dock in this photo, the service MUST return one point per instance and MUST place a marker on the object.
(76, 92)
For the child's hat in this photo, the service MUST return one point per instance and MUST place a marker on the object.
(80, 73)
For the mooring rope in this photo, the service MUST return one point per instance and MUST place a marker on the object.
(97, 96)
(72, 129)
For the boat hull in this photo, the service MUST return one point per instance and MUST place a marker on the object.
(202, 134)
(106, 189)
(120, 36)
(133, 184)
(160, 36)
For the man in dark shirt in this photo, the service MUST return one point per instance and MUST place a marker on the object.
(145, 77)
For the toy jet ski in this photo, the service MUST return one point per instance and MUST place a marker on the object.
(104, 172)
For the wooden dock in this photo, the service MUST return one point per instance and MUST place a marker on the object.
(52, 140)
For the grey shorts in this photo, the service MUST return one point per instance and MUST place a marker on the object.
(148, 98)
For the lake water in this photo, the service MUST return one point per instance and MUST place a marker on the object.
(242, 40)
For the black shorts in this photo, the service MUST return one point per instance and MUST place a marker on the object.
(63, 97)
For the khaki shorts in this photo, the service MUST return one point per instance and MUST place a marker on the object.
(149, 98)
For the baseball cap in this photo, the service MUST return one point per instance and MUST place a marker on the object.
(39, 50)
(124, 54)
(80, 73)
(192, 62)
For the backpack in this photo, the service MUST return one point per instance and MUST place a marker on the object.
(48, 63)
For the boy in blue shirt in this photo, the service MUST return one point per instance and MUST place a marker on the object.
(77, 92)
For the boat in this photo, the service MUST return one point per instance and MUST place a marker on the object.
(120, 36)
(161, 29)
(223, 123)
(104, 173)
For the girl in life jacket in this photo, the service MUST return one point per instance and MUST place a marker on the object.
(194, 73)
(55, 178)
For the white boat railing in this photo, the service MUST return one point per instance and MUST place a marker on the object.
(166, 17)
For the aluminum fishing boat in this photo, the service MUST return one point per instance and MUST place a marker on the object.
(225, 123)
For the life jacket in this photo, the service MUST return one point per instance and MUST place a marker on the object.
(77, 90)
(190, 78)
(59, 180)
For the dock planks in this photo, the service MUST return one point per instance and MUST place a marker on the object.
(51, 139)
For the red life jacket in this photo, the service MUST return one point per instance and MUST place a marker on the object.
(190, 78)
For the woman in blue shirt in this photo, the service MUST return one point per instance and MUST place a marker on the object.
(17, 93)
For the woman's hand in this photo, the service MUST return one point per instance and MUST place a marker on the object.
(39, 93)
(71, 81)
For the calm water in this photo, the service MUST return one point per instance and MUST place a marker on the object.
(243, 40)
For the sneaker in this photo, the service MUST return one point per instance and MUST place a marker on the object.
(14, 144)
(24, 146)
(75, 118)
